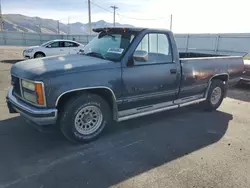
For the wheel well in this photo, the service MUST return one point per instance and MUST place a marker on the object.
(39, 52)
(106, 94)
(223, 77)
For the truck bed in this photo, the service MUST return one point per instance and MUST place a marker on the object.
(197, 71)
(194, 55)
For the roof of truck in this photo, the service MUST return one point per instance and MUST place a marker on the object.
(135, 29)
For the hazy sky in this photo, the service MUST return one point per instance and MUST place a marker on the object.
(189, 16)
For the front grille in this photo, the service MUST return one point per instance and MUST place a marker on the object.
(15, 81)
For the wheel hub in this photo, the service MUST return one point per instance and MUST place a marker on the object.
(88, 120)
(216, 95)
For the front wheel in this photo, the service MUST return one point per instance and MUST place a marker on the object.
(84, 117)
(39, 55)
(215, 95)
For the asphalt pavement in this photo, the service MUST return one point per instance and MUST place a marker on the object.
(183, 148)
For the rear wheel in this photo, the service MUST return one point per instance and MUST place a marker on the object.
(84, 117)
(215, 95)
(39, 55)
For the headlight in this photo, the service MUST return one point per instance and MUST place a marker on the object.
(30, 97)
(29, 50)
(28, 85)
(33, 92)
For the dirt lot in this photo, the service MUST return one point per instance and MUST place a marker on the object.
(183, 148)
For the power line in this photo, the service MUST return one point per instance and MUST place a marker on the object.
(119, 17)
(128, 17)
(114, 7)
(146, 19)
(101, 7)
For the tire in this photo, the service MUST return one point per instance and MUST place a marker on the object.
(39, 55)
(215, 95)
(97, 115)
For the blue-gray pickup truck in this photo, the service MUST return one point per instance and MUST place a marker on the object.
(123, 73)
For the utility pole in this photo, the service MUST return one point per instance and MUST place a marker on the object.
(171, 21)
(1, 17)
(40, 26)
(58, 27)
(114, 7)
(68, 26)
(90, 30)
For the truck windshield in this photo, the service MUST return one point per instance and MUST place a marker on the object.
(109, 45)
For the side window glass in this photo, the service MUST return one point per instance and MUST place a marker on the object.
(143, 44)
(70, 44)
(55, 45)
(61, 44)
(75, 44)
(154, 48)
(163, 44)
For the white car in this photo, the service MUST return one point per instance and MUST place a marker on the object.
(53, 47)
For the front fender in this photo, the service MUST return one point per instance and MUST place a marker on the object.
(60, 85)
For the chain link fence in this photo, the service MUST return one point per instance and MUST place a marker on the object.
(223, 44)
(34, 39)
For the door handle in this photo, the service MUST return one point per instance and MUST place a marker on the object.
(61, 50)
(173, 71)
(135, 89)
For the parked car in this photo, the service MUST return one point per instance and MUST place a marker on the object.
(123, 73)
(53, 47)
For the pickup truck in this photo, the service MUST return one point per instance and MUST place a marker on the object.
(123, 73)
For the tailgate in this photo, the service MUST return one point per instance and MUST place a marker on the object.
(196, 72)
(247, 68)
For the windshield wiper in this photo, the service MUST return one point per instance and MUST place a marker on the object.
(95, 54)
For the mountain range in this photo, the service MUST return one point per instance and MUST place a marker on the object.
(22, 23)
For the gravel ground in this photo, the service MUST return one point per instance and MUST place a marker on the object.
(183, 148)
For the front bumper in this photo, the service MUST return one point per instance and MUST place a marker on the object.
(245, 79)
(27, 55)
(36, 115)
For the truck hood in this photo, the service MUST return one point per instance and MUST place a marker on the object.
(37, 69)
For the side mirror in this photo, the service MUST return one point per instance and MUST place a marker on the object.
(140, 55)
(49, 46)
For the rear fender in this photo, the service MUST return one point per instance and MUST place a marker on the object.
(224, 77)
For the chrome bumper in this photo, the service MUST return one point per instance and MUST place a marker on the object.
(36, 115)
(245, 79)
(27, 55)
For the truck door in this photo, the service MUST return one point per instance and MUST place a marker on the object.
(153, 77)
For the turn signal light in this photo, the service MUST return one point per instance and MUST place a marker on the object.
(40, 94)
